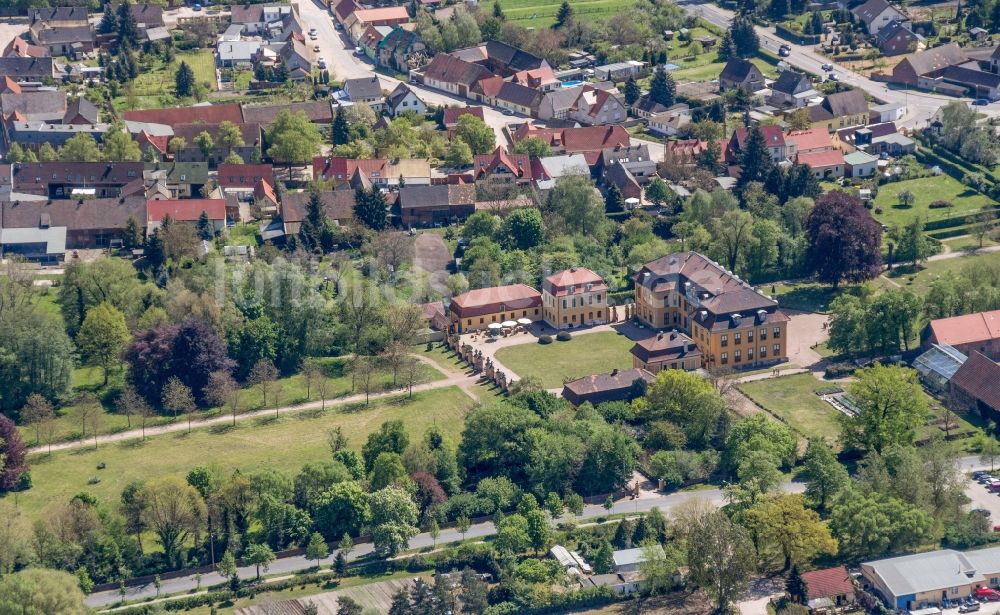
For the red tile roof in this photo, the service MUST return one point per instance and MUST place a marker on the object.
(209, 114)
(386, 13)
(263, 190)
(186, 210)
(665, 345)
(559, 284)
(822, 159)
(342, 169)
(590, 138)
(234, 175)
(9, 85)
(978, 377)
(519, 165)
(451, 114)
(772, 136)
(806, 140)
(968, 329)
(495, 299)
(828, 583)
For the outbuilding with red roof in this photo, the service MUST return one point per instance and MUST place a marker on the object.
(476, 309)
(186, 210)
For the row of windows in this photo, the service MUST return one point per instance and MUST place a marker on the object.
(572, 302)
(738, 337)
(503, 316)
(738, 356)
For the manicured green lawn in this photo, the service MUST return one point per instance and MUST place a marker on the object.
(925, 191)
(794, 399)
(293, 392)
(920, 281)
(283, 444)
(804, 296)
(591, 353)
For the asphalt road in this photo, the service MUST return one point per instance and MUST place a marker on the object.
(337, 50)
(647, 501)
(920, 105)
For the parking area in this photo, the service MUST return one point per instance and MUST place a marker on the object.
(983, 498)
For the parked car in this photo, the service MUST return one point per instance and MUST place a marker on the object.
(833, 77)
(987, 593)
(784, 52)
(969, 608)
(827, 67)
(196, 7)
(981, 511)
(316, 48)
(981, 101)
(321, 62)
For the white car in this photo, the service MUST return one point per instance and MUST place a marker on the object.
(827, 67)
(316, 48)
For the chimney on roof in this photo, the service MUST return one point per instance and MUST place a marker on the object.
(614, 372)
(659, 335)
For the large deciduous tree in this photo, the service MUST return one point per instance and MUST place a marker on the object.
(845, 242)
(38, 590)
(174, 510)
(891, 406)
(720, 558)
(103, 336)
(393, 520)
(783, 526)
(13, 455)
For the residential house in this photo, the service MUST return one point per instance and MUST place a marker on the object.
(916, 581)
(617, 385)
(921, 68)
(517, 98)
(792, 89)
(250, 150)
(974, 388)
(978, 332)
(365, 90)
(379, 172)
(401, 50)
(71, 41)
(575, 297)
(318, 112)
(404, 99)
(27, 69)
(20, 48)
(475, 310)
(59, 179)
(80, 111)
(435, 204)
(64, 16)
(500, 58)
(829, 588)
(371, 37)
(860, 164)
(840, 110)
(561, 165)
(575, 140)
(46, 105)
(261, 18)
(452, 115)
(620, 71)
(33, 134)
(621, 584)
(599, 106)
(186, 210)
(824, 164)
(359, 20)
(897, 38)
(807, 142)
(666, 350)
(541, 78)
(977, 83)
(773, 136)
(343, 9)
(670, 122)
(180, 180)
(448, 73)
(878, 14)
(741, 74)
(237, 54)
(683, 152)
(145, 15)
(89, 223)
(861, 137)
(645, 107)
(733, 324)
(294, 56)
(338, 205)
(894, 145)
(502, 167)
(557, 104)
(241, 180)
(635, 159)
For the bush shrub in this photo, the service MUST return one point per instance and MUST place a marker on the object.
(564, 336)
(840, 370)
(940, 205)
(545, 339)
